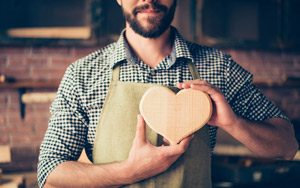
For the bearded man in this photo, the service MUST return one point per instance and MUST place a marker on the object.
(96, 108)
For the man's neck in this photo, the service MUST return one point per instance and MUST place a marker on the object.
(150, 51)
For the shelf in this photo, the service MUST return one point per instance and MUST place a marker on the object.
(53, 84)
(22, 87)
(31, 84)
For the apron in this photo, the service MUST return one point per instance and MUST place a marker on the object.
(116, 129)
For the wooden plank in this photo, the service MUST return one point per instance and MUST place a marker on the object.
(240, 150)
(5, 155)
(52, 84)
(232, 150)
(12, 181)
(175, 116)
(38, 97)
(51, 32)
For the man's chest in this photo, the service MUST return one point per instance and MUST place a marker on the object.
(94, 98)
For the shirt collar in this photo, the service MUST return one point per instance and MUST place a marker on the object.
(119, 53)
(122, 51)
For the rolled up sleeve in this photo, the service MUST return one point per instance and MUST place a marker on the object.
(246, 99)
(67, 129)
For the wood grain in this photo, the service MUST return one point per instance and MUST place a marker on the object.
(51, 32)
(175, 116)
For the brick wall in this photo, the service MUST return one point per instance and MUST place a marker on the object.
(45, 63)
(34, 64)
(274, 68)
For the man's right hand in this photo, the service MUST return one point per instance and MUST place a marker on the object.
(146, 160)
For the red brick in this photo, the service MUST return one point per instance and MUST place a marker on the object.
(18, 73)
(61, 63)
(3, 62)
(57, 51)
(41, 128)
(37, 117)
(2, 123)
(4, 110)
(37, 62)
(81, 52)
(16, 61)
(14, 122)
(14, 50)
(21, 139)
(13, 99)
(4, 139)
(3, 98)
(46, 74)
(11, 104)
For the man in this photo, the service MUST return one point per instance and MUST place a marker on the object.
(96, 108)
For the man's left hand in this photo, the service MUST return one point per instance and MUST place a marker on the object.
(223, 115)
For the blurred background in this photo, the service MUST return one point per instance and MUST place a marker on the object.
(40, 38)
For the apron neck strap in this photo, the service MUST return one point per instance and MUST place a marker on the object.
(116, 73)
(191, 65)
(193, 70)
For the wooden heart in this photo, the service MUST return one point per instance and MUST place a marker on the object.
(175, 116)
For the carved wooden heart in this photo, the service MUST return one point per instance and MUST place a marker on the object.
(175, 116)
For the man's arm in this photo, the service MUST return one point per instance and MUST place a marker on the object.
(145, 160)
(272, 138)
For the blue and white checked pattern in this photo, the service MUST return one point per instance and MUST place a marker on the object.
(81, 94)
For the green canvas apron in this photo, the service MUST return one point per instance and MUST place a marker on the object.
(116, 130)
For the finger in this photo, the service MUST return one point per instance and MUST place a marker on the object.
(184, 143)
(179, 85)
(197, 81)
(178, 149)
(213, 92)
(166, 142)
(140, 134)
(183, 85)
(187, 84)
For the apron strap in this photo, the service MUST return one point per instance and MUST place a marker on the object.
(116, 73)
(193, 70)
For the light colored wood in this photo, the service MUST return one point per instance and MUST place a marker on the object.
(51, 32)
(5, 155)
(38, 97)
(175, 116)
(240, 150)
(232, 150)
(12, 181)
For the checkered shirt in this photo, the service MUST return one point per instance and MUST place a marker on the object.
(76, 110)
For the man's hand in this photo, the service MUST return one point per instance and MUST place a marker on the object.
(223, 115)
(146, 160)
(272, 138)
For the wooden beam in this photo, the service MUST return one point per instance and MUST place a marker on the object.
(38, 97)
(5, 155)
(240, 150)
(51, 32)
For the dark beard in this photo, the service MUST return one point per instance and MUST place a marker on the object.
(160, 25)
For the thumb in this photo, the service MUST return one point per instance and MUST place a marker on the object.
(140, 134)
